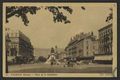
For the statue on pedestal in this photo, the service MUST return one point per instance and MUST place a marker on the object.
(52, 57)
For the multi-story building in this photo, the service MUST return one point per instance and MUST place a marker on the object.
(20, 45)
(81, 46)
(7, 42)
(105, 40)
(96, 47)
(105, 45)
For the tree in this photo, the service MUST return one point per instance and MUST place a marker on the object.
(110, 16)
(41, 59)
(21, 11)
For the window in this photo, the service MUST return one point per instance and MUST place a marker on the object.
(87, 47)
(87, 53)
(12, 34)
(93, 47)
(87, 42)
(16, 35)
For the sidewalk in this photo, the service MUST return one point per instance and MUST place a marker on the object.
(60, 68)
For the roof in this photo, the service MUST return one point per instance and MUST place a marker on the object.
(110, 25)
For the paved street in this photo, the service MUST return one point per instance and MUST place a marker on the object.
(46, 68)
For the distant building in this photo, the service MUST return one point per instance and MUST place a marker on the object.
(96, 47)
(105, 45)
(61, 55)
(82, 46)
(20, 44)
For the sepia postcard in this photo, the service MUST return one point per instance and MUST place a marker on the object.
(59, 39)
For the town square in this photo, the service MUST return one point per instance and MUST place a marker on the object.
(59, 39)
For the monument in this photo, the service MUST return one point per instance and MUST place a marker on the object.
(52, 57)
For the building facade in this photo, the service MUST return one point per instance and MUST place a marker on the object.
(96, 47)
(20, 45)
(82, 46)
(105, 45)
(105, 40)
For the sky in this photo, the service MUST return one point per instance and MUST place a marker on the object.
(44, 33)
